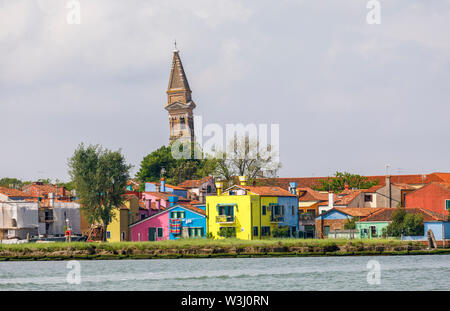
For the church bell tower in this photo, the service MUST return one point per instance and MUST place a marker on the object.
(179, 103)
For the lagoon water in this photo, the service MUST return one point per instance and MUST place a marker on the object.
(429, 272)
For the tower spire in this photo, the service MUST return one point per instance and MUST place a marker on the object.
(179, 102)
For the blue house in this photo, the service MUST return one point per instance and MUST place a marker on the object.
(163, 187)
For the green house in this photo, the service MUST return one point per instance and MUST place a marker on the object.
(371, 229)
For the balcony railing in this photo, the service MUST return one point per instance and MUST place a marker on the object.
(224, 219)
(277, 218)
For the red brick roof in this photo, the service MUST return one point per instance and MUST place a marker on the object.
(13, 193)
(358, 211)
(268, 191)
(195, 183)
(307, 194)
(385, 214)
(402, 179)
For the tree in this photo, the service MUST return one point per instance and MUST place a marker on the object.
(176, 170)
(341, 180)
(405, 224)
(7, 182)
(245, 157)
(99, 177)
(152, 164)
(350, 224)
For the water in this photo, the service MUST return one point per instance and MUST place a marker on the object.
(429, 272)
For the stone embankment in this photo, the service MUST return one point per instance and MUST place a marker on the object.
(100, 251)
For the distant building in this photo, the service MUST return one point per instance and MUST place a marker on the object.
(199, 189)
(23, 215)
(374, 225)
(18, 215)
(434, 197)
(334, 220)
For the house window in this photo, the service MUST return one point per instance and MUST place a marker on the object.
(368, 198)
(195, 232)
(178, 214)
(447, 205)
(226, 210)
(277, 210)
(208, 189)
(265, 231)
(293, 210)
(142, 216)
(373, 231)
(160, 232)
(255, 231)
(108, 234)
(264, 210)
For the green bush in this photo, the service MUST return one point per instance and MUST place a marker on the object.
(227, 232)
(281, 232)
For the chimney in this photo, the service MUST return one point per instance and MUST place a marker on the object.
(219, 186)
(293, 187)
(243, 180)
(346, 186)
(158, 204)
(389, 189)
(163, 184)
(331, 199)
(51, 196)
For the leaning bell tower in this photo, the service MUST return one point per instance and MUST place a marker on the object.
(179, 103)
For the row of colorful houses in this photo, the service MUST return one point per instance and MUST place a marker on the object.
(200, 208)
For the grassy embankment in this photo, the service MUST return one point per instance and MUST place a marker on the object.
(202, 248)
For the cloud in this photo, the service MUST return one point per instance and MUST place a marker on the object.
(369, 93)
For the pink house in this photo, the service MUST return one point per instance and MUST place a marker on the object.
(141, 232)
(178, 221)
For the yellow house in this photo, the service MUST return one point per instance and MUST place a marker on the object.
(248, 213)
(119, 228)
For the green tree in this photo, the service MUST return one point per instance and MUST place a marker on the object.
(177, 170)
(152, 164)
(340, 180)
(7, 182)
(405, 224)
(99, 177)
(350, 224)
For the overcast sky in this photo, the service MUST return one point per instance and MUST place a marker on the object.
(348, 96)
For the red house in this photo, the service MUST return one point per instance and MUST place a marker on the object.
(433, 197)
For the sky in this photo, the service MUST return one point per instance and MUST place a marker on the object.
(347, 95)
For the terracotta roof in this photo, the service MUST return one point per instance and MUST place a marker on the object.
(385, 214)
(307, 194)
(344, 198)
(415, 179)
(13, 193)
(193, 208)
(357, 211)
(268, 191)
(165, 195)
(195, 183)
(404, 186)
